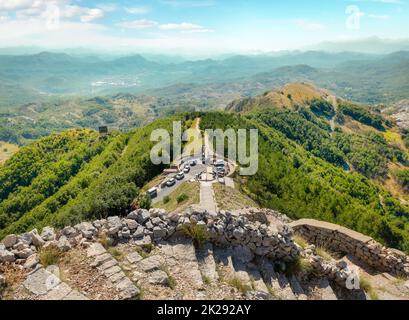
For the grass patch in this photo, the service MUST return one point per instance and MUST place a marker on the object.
(323, 253)
(171, 280)
(143, 252)
(198, 233)
(231, 199)
(205, 279)
(239, 285)
(298, 266)
(7, 150)
(182, 198)
(104, 240)
(271, 291)
(118, 255)
(366, 285)
(49, 256)
(300, 241)
(185, 195)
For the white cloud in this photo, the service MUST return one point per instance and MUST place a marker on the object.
(12, 5)
(378, 17)
(309, 25)
(92, 14)
(189, 3)
(184, 26)
(64, 9)
(138, 24)
(137, 10)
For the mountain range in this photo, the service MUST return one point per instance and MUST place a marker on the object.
(366, 78)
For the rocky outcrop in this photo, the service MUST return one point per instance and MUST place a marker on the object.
(339, 239)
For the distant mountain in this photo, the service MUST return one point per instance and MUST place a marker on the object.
(369, 45)
(45, 76)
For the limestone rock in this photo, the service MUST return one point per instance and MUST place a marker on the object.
(40, 282)
(95, 249)
(10, 240)
(134, 257)
(6, 256)
(48, 234)
(150, 264)
(63, 244)
(158, 278)
(31, 262)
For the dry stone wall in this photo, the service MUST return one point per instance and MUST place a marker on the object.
(340, 239)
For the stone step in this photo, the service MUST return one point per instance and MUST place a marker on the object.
(179, 256)
(322, 290)
(238, 263)
(207, 264)
(278, 282)
(45, 285)
(297, 288)
(109, 266)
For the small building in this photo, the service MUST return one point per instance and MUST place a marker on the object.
(103, 130)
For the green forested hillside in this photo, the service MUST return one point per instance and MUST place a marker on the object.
(75, 176)
(298, 183)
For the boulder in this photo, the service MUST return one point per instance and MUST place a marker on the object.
(31, 262)
(143, 216)
(158, 278)
(139, 232)
(70, 232)
(10, 240)
(6, 256)
(133, 215)
(63, 244)
(159, 232)
(131, 224)
(37, 240)
(48, 234)
(25, 253)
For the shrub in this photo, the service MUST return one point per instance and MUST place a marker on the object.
(365, 285)
(239, 285)
(298, 266)
(49, 256)
(166, 199)
(116, 253)
(300, 241)
(183, 197)
(145, 202)
(198, 233)
(323, 253)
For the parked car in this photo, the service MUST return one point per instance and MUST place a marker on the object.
(180, 176)
(193, 163)
(171, 182)
(186, 169)
(153, 192)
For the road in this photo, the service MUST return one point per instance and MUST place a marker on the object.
(162, 193)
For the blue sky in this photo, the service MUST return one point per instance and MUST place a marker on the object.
(198, 26)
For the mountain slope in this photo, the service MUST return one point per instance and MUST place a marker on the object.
(49, 182)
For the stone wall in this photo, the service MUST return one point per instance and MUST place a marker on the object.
(340, 239)
(143, 227)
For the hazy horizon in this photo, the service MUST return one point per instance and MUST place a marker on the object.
(205, 27)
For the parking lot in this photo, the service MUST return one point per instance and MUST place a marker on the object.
(194, 171)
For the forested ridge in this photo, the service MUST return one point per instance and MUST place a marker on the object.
(75, 176)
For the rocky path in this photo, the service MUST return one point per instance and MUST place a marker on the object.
(45, 284)
(207, 200)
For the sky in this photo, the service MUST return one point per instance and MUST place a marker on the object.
(198, 26)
